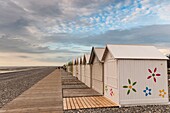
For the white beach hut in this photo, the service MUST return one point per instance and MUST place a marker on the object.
(78, 68)
(87, 71)
(82, 78)
(135, 74)
(97, 69)
(74, 67)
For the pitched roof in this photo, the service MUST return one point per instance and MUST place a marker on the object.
(81, 59)
(86, 58)
(78, 60)
(74, 61)
(135, 52)
(96, 52)
(99, 52)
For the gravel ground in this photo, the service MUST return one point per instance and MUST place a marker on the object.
(134, 109)
(13, 84)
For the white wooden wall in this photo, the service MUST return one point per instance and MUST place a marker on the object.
(77, 68)
(87, 75)
(74, 70)
(137, 71)
(111, 86)
(78, 71)
(97, 76)
(82, 74)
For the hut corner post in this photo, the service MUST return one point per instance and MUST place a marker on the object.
(103, 75)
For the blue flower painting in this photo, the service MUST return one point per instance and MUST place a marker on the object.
(147, 91)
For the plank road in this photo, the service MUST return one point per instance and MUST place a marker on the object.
(90, 102)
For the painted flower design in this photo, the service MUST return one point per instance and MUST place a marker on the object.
(153, 74)
(130, 86)
(162, 93)
(111, 92)
(147, 91)
(106, 89)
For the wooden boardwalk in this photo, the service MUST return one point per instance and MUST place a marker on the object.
(43, 97)
(82, 92)
(87, 102)
(72, 87)
(50, 96)
(76, 95)
(82, 86)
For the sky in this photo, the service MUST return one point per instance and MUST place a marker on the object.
(53, 32)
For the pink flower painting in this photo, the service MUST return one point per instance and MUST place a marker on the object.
(153, 75)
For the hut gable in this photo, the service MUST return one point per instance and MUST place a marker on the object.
(75, 61)
(86, 59)
(98, 52)
(81, 59)
(107, 55)
(78, 61)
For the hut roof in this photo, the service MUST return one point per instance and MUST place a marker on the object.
(98, 52)
(134, 52)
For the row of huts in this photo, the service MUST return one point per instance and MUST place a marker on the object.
(125, 74)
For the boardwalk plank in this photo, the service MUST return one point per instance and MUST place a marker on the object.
(65, 103)
(89, 101)
(85, 101)
(109, 101)
(95, 103)
(79, 103)
(68, 103)
(75, 103)
(82, 102)
(101, 103)
(104, 101)
(72, 103)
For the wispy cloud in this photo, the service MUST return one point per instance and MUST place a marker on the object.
(71, 27)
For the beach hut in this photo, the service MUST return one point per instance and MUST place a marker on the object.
(82, 78)
(135, 74)
(97, 69)
(87, 72)
(78, 68)
(74, 67)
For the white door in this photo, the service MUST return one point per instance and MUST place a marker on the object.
(111, 81)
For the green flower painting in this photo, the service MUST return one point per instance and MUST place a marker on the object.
(130, 87)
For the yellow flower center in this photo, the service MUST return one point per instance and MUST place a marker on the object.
(130, 87)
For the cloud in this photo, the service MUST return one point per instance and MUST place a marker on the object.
(154, 34)
(34, 28)
(14, 44)
(24, 57)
